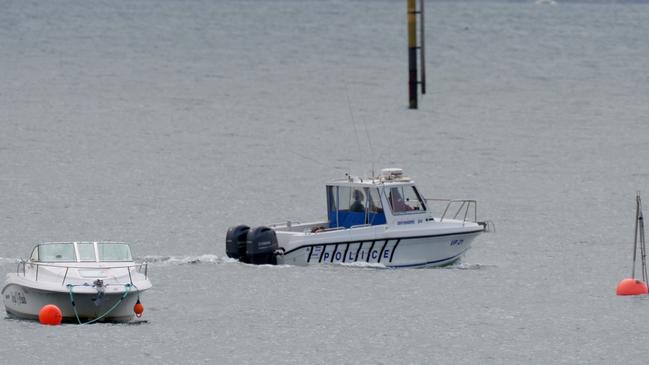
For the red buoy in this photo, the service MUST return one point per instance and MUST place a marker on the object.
(50, 315)
(631, 287)
(138, 308)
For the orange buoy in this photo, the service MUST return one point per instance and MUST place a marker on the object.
(50, 315)
(631, 287)
(138, 308)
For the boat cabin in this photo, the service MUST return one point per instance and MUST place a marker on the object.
(81, 252)
(372, 201)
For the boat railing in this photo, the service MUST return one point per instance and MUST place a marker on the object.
(465, 210)
(287, 224)
(361, 225)
(142, 268)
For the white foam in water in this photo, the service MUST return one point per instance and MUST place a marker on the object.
(209, 258)
(154, 259)
(467, 266)
(181, 260)
(373, 265)
(229, 260)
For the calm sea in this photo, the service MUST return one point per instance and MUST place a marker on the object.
(162, 123)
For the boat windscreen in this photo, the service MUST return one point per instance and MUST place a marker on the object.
(404, 199)
(114, 252)
(60, 252)
(86, 252)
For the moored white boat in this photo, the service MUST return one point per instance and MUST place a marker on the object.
(87, 281)
(378, 220)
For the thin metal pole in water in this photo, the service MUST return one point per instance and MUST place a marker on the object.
(635, 235)
(639, 233)
(422, 49)
(643, 248)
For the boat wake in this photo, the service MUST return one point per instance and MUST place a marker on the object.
(364, 264)
(467, 266)
(215, 259)
(183, 260)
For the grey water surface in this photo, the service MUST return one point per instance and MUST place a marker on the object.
(162, 123)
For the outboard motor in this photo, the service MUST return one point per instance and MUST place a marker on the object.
(235, 242)
(261, 244)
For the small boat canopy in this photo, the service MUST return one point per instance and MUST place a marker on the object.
(349, 206)
(357, 201)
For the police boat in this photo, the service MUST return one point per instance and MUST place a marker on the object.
(376, 221)
(87, 281)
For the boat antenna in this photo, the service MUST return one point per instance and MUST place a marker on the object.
(369, 142)
(367, 133)
(351, 114)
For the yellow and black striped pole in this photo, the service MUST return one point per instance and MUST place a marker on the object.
(412, 52)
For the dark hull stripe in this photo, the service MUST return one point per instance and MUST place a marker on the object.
(345, 254)
(393, 238)
(333, 254)
(358, 251)
(394, 249)
(308, 259)
(324, 248)
(382, 249)
(370, 251)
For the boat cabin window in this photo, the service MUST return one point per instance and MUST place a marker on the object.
(349, 206)
(114, 252)
(405, 199)
(52, 252)
(86, 251)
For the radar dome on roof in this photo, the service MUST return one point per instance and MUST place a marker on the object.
(392, 173)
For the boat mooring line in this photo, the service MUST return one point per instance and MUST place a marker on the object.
(308, 259)
(127, 289)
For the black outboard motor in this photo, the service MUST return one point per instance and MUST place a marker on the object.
(235, 242)
(260, 246)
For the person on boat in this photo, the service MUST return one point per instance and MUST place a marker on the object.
(398, 204)
(357, 205)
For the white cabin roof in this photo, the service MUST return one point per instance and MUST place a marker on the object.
(392, 176)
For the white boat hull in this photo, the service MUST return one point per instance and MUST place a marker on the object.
(381, 220)
(26, 302)
(404, 252)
